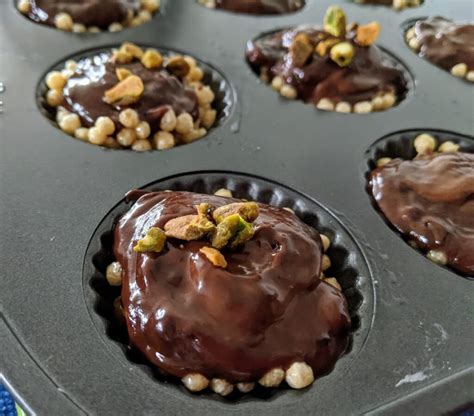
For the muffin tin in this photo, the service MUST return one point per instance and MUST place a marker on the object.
(411, 353)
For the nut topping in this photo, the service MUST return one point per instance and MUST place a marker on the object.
(214, 256)
(189, 227)
(247, 210)
(154, 240)
(335, 21)
(178, 66)
(125, 92)
(368, 34)
(301, 49)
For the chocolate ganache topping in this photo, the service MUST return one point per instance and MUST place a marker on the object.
(260, 6)
(85, 90)
(267, 308)
(431, 200)
(99, 13)
(445, 43)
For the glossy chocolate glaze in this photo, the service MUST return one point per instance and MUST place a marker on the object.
(261, 6)
(369, 73)
(100, 13)
(445, 43)
(267, 309)
(85, 90)
(384, 2)
(431, 200)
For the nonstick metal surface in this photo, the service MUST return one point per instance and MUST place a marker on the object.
(416, 357)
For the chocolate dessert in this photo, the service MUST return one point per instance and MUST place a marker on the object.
(337, 67)
(396, 4)
(89, 15)
(132, 98)
(446, 44)
(430, 200)
(267, 7)
(225, 293)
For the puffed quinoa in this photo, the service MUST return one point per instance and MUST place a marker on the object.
(333, 282)
(168, 121)
(195, 382)
(414, 44)
(129, 118)
(193, 135)
(326, 242)
(325, 104)
(126, 137)
(205, 95)
(79, 28)
(389, 100)
(343, 107)
(141, 146)
(363, 107)
(459, 70)
(150, 5)
(272, 378)
(277, 83)
(299, 375)
(70, 123)
(105, 125)
(163, 140)
(326, 263)
(378, 103)
(111, 143)
(54, 98)
(93, 29)
(289, 92)
(221, 386)
(63, 21)
(113, 274)
(24, 6)
(448, 147)
(424, 143)
(55, 80)
(470, 76)
(115, 27)
(194, 74)
(96, 136)
(383, 161)
(144, 15)
(184, 123)
(437, 257)
(71, 65)
(209, 118)
(152, 59)
(82, 133)
(245, 387)
(143, 130)
(223, 192)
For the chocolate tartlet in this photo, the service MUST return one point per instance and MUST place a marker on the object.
(132, 98)
(224, 293)
(446, 44)
(337, 67)
(396, 4)
(267, 7)
(89, 15)
(430, 200)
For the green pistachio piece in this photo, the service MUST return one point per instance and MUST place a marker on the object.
(247, 210)
(229, 230)
(154, 240)
(342, 53)
(335, 21)
(189, 227)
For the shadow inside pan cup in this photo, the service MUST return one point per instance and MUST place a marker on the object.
(347, 265)
(135, 97)
(256, 7)
(416, 208)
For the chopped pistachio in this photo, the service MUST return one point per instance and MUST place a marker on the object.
(335, 21)
(342, 53)
(323, 47)
(368, 34)
(230, 229)
(189, 227)
(125, 92)
(178, 66)
(122, 73)
(247, 210)
(154, 240)
(214, 256)
(203, 209)
(151, 59)
(132, 50)
(300, 49)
